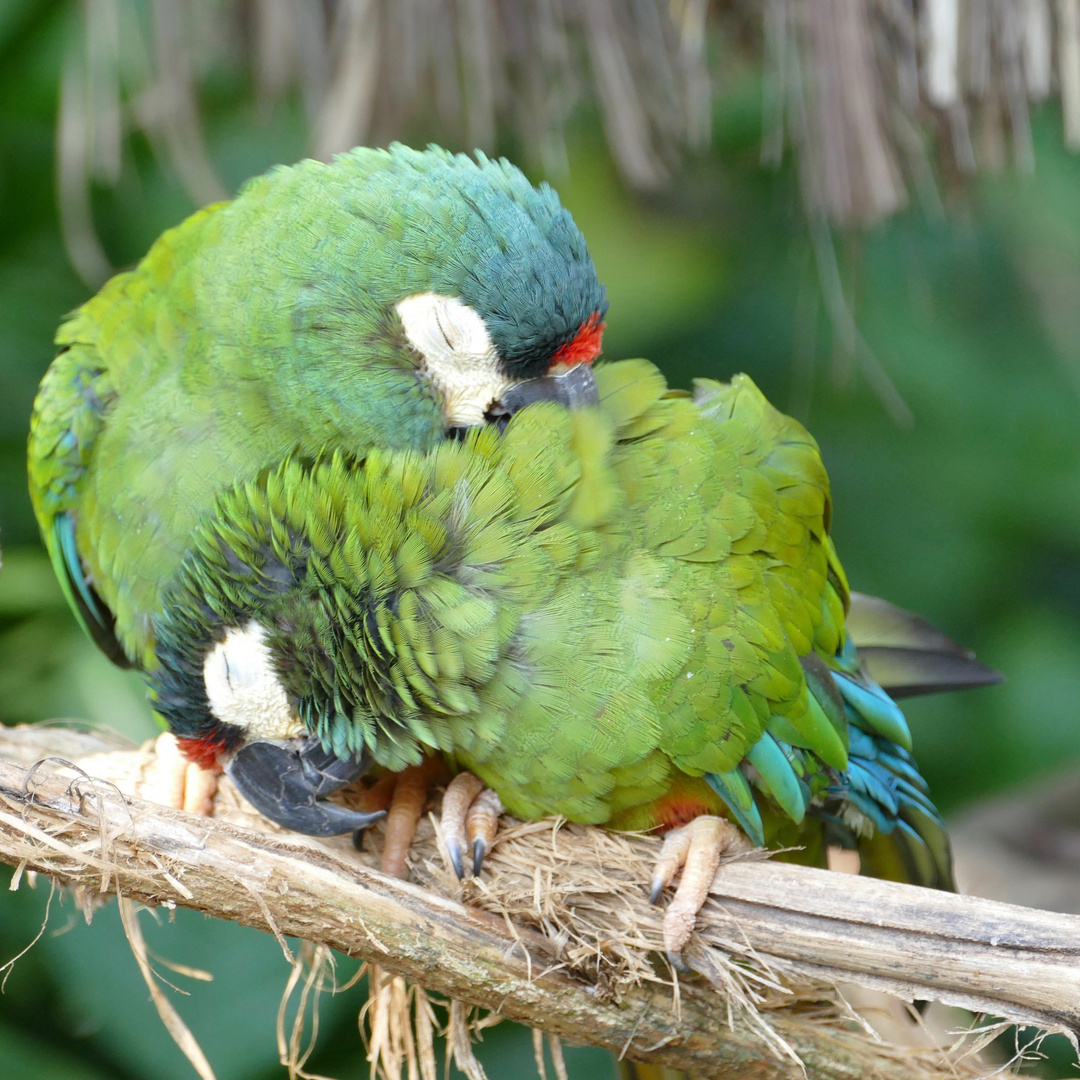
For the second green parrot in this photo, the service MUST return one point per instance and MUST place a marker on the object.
(630, 615)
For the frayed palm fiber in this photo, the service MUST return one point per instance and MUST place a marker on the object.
(583, 887)
(878, 98)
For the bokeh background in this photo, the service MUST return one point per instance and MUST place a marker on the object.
(950, 423)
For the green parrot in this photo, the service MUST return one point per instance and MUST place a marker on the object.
(333, 467)
(386, 300)
(375, 301)
(630, 614)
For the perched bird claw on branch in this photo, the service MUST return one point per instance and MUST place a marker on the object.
(470, 821)
(173, 779)
(696, 849)
(410, 793)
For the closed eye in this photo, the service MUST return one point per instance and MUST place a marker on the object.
(447, 333)
(456, 354)
(442, 325)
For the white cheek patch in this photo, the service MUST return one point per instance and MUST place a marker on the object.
(458, 354)
(243, 688)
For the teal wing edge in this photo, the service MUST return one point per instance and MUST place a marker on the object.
(68, 414)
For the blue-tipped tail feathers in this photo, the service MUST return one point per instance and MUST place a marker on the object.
(877, 803)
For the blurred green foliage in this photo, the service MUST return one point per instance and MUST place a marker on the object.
(971, 516)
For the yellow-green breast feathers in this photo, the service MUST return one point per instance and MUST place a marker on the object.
(577, 609)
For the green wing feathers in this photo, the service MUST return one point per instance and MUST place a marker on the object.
(67, 418)
(88, 409)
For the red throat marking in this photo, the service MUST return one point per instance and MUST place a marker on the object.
(585, 346)
(203, 752)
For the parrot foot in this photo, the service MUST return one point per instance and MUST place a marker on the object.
(405, 795)
(470, 818)
(173, 780)
(696, 849)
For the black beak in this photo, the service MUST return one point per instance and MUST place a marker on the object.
(575, 388)
(286, 783)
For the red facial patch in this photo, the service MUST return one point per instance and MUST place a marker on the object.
(585, 347)
(204, 752)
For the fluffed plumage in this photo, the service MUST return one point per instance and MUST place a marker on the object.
(628, 615)
(266, 327)
(328, 466)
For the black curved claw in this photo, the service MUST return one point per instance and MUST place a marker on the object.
(286, 783)
(479, 850)
(679, 964)
(453, 849)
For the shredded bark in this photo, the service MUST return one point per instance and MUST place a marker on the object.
(556, 933)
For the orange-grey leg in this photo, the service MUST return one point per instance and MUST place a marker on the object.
(410, 793)
(696, 849)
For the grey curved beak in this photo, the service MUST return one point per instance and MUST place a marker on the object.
(575, 388)
(286, 783)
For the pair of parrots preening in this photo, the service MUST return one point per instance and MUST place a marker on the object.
(333, 468)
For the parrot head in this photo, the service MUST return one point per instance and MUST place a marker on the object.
(415, 269)
(513, 310)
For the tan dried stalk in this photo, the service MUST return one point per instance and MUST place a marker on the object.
(878, 76)
(558, 933)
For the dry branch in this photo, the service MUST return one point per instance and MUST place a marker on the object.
(558, 931)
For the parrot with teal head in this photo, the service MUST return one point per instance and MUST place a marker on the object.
(383, 300)
(333, 466)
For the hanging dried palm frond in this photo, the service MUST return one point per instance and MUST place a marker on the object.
(862, 83)
(861, 89)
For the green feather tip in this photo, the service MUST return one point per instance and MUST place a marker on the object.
(734, 789)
